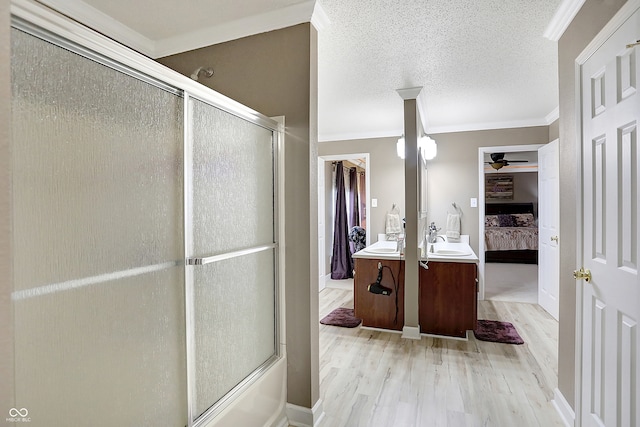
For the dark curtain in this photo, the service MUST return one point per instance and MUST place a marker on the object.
(354, 203)
(363, 206)
(341, 262)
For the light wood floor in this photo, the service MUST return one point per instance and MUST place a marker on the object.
(371, 378)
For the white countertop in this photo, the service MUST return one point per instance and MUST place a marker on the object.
(442, 251)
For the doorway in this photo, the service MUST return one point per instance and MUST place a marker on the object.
(503, 270)
(326, 209)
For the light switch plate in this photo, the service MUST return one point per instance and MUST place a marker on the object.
(374, 203)
(474, 202)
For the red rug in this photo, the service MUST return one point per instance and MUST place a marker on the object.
(496, 331)
(342, 317)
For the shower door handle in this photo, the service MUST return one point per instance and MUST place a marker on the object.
(229, 255)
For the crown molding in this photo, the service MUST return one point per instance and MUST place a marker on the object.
(251, 25)
(78, 10)
(421, 102)
(319, 18)
(543, 121)
(396, 133)
(93, 18)
(489, 126)
(562, 18)
(553, 115)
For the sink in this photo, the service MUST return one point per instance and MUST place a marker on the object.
(380, 250)
(451, 252)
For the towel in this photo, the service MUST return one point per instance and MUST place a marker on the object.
(392, 224)
(453, 226)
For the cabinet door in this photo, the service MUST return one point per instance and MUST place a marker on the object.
(448, 299)
(375, 310)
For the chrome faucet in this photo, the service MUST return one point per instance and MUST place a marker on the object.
(433, 233)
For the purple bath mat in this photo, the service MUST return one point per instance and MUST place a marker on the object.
(343, 317)
(496, 331)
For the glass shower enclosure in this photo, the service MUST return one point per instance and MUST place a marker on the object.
(145, 241)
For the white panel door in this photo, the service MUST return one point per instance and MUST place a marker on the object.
(548, 222)
(611, 299)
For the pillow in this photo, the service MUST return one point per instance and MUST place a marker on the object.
(491, 221)
(524, 220)
(506, 221)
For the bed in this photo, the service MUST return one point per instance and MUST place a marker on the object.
(511, 233)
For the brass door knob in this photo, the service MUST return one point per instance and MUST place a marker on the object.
(582, 274)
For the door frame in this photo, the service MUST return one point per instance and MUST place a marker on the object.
(322, 203)
(624, 13)
(481, 200)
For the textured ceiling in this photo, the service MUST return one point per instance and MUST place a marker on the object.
(482, 63)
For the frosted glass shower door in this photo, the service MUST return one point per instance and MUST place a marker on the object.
(98, 247)
(234, 246)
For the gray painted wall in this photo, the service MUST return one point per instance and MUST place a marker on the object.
(386, 175)
(453, 174)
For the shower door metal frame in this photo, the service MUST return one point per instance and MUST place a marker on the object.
(57, 29)
(196, 420)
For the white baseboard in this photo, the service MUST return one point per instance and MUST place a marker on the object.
(370, 328)
(564, 409)
(411, 332)
(322, 283)
(300, 416)
(446, 337)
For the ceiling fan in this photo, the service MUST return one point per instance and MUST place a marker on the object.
(498, 161)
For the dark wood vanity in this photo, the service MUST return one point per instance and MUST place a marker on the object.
(447, 293)
(448, 299)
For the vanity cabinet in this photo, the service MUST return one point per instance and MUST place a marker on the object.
(448, 298)
(375, 310)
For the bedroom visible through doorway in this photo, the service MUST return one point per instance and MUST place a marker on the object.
(508, 212)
